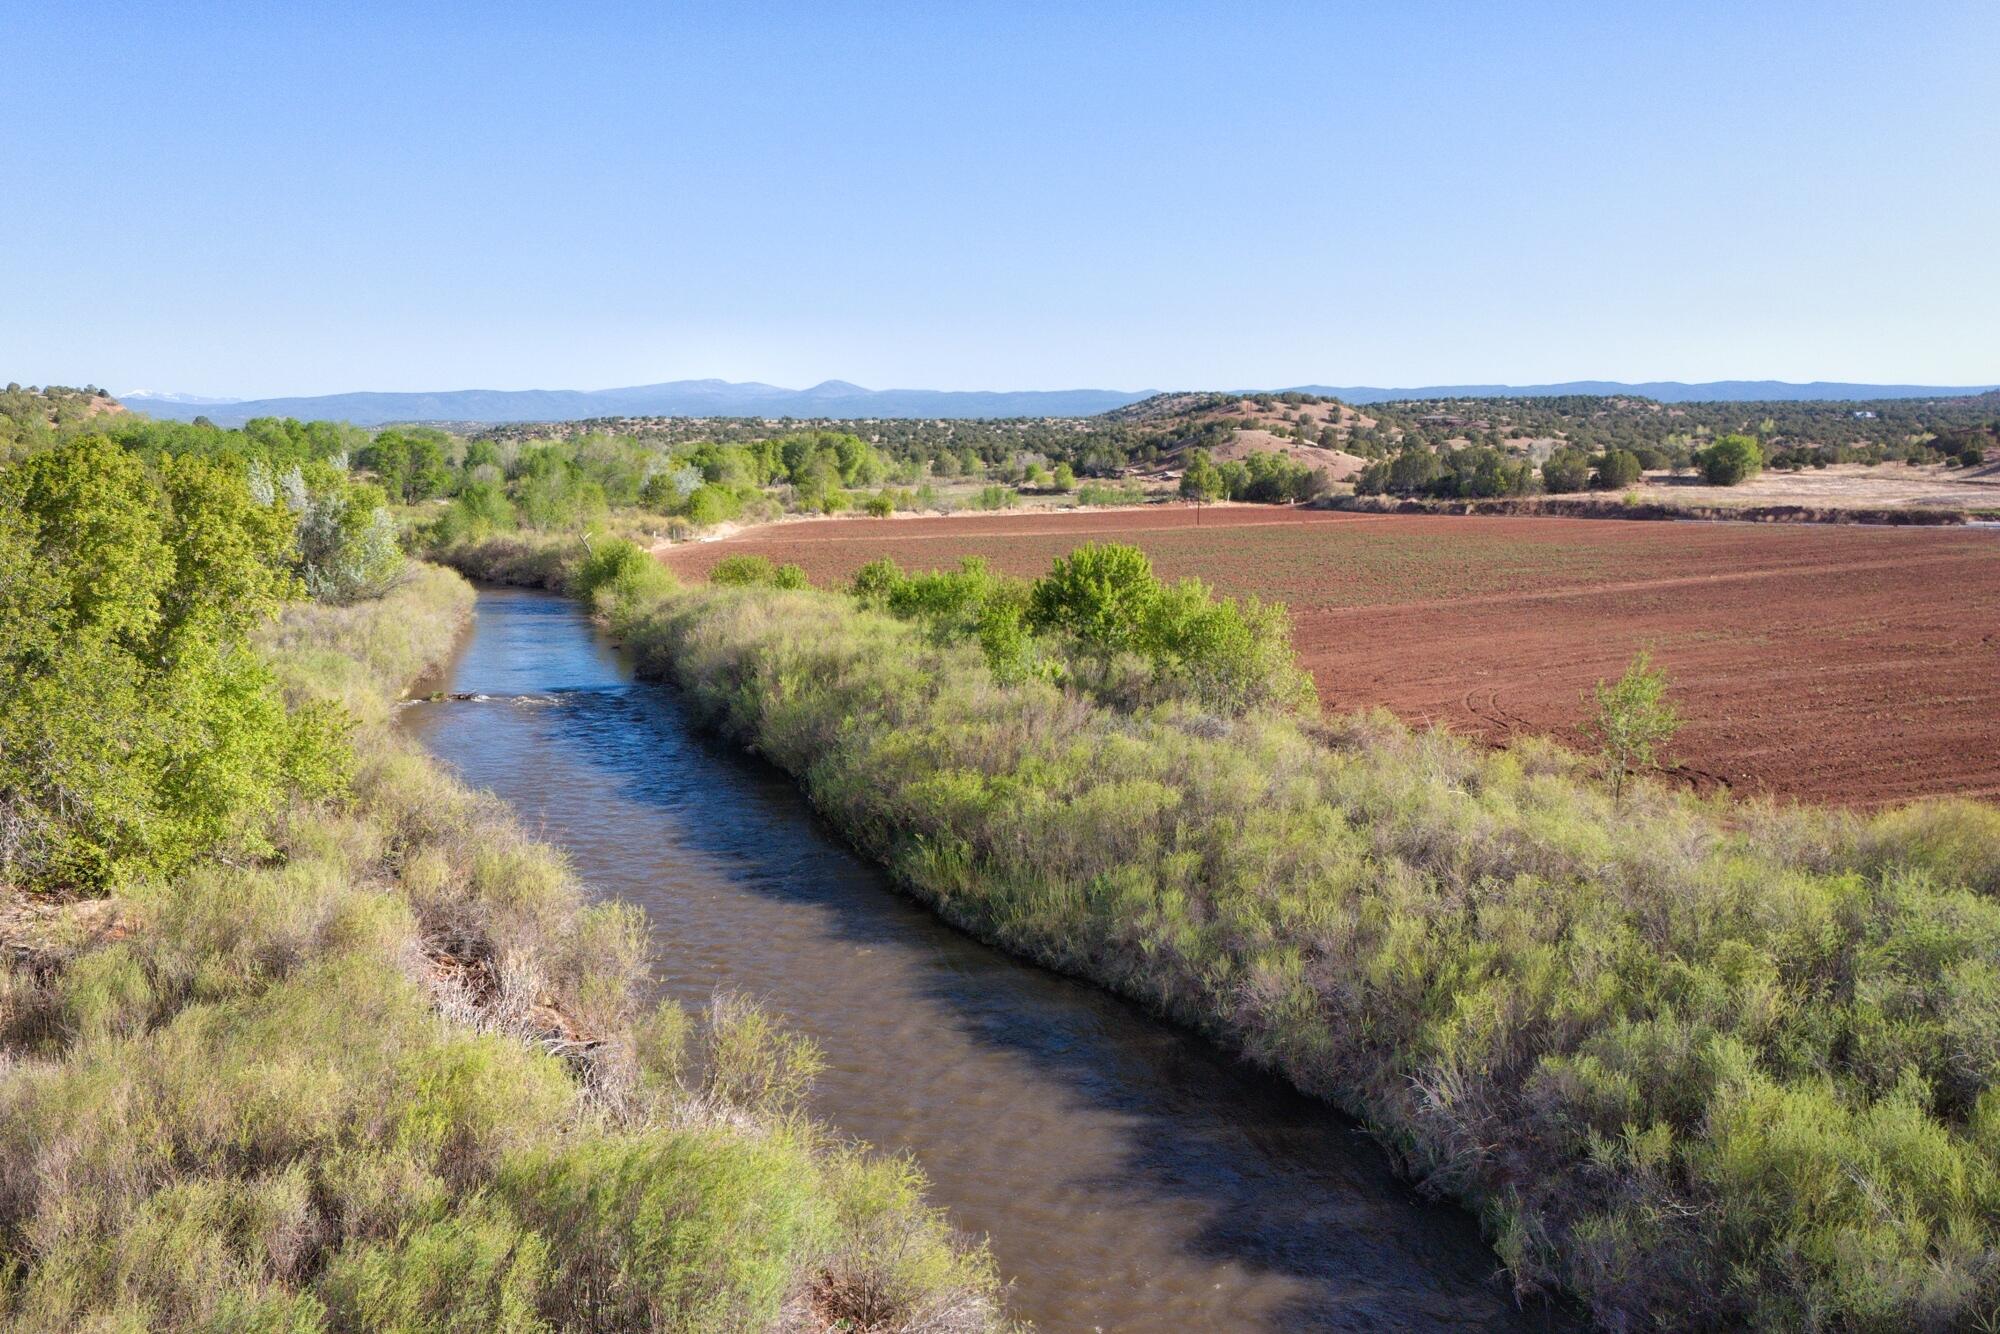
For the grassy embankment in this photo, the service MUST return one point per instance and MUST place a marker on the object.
(398, 1075)
(1698, 1063)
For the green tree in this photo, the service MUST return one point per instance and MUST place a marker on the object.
(1231, 656)
(1096, 595)
(1065, 478)
(1732, 460)
(410, 465)
(1202, 483)
(1616, 470)
(1632, 719)
(138, 728)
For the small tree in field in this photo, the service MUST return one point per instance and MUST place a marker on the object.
(1633, 720)
(1203, 482)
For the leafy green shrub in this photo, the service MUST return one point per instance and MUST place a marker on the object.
(1100, 493)
(994, 498)
(409, 463)
(1230, 656)
(1730, 461)
(690, 1230)
(1096, 595)
(1616, 470)
(875, 582)
(475, 1269)
(347, 544)
(1566, 470)
(618, 573)
(1633, 719)
(608, 562)
(743, 571)
(478, 511)
(711, 504)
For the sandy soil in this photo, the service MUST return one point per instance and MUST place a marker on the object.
(1340, 465)
(1852, 665)
(1844, 485)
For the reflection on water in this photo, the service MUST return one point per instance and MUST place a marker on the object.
(1129, 1176)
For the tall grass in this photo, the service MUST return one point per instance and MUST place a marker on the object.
(399, 1076)
(1698, 1063)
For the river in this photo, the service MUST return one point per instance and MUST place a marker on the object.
(1128, 1175)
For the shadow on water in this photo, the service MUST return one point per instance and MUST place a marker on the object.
(1128, 1175)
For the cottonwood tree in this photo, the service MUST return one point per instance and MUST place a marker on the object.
(138, 726)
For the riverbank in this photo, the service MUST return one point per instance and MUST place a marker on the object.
(1125, 1173)
(396, 1073)
(1679, 1054)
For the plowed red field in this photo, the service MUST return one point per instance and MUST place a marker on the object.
(1852, 665)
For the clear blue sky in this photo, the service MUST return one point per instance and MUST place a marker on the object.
(279, 198)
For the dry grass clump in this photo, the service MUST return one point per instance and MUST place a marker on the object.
(395, 1076)
(1702, 1064)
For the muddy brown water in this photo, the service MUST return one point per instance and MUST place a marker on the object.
(1127, 1175)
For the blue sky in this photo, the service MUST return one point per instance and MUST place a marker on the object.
(255, 200)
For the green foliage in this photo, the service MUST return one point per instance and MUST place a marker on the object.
(1706, 1065)
(479, 1269)
(1232, 657)
(346, 539)
(743, 571)
(268, 1107)
(711, 504)
(477, 512)
(1566, 470)
(756, 571)
(1616, 470)
(137, 728)
(1202, 481)
(1228, 656)
(1100, 493)
(695, 1230)
(559, 497)
(1632, 719)
(409, 464)
(994, 498)
(1732, 460)
(1097, 596)
(1063, 478)
(618, 572)
(1270, 478)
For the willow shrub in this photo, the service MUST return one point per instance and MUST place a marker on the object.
(1697, 1063)
(267, 1108)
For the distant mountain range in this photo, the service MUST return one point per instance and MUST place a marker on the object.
(1664, 391)
(839, 399)
(678, 398)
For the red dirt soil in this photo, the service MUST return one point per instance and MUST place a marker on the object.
(1839, 664)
